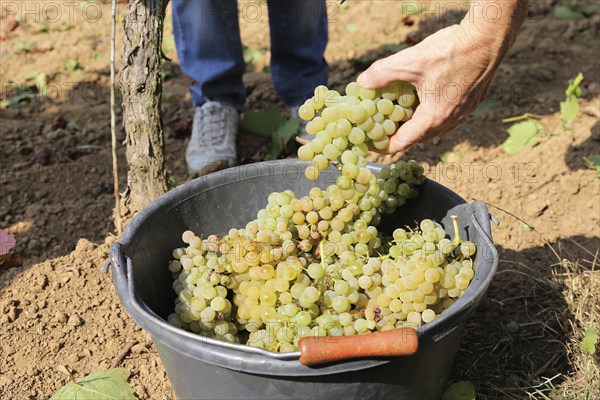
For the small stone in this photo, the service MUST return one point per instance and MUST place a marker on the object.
(31, 315)
(12, 314)
(147, 338)
(535, 209)
(73, 358)
(569, 185)
(75, 320)
(63, 369)
(55, 346)
(42, 281)
(86, 353)
(42, 304)
(60, 317)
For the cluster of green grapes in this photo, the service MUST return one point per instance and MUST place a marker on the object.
(362, 119)
(317, 265)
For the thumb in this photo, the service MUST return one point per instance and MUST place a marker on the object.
(397, 67)
(411, 132)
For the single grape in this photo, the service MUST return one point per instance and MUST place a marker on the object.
(306, 112)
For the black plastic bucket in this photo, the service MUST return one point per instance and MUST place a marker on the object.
(202, 368)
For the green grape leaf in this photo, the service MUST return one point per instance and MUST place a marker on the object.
(104, 385)
(593, 161)
(23, 96)
(31, 75)
(566, 12)
(589, 341)
(366, 44)
(251, 55)
(522, 134)
(282, 136)
(483, 107)
(444, 157)
(262, 123)
(65, 27)
(96, 55)
(41, 80)
(270, 124)
(570, 107)
(73, 66)
(573, 88)
(73, 124)
(461, 390)
(588, 9)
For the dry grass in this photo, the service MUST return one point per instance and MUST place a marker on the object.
(581, 283)
(525, 339)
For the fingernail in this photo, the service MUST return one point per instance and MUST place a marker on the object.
(360, 79)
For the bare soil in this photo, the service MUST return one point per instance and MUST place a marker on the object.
(59, 309)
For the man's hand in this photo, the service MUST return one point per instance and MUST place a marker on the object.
(451, 71)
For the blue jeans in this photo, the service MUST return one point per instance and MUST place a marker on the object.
(207, 35)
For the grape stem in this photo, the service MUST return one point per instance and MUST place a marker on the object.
(323, 265)
(302, 141)
(322, 255)
(521, 117)
(560, 259)
(336, 165)
(457, 240)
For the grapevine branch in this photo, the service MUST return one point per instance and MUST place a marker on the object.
(113, 131)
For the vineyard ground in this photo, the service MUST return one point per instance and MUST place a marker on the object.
(58, 309)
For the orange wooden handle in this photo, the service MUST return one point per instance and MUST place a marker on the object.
(325, 349)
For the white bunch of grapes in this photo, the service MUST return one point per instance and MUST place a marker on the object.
(362, 119)
(317, 265)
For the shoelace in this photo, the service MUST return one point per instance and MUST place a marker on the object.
(213, 119)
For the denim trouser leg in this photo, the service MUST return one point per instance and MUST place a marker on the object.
(298, 40)
(209, 48)
(210, 51)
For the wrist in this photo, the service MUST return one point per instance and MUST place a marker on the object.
(494, 24)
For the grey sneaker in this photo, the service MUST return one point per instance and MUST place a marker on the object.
(212, 146)
(302, 134)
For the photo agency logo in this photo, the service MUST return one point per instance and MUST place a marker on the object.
(39, 88)
(60, 173)
(256, 11)
(477, 171)
(454, 11)
(52, 11)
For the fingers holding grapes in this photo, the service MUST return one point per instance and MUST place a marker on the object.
(450, 78)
